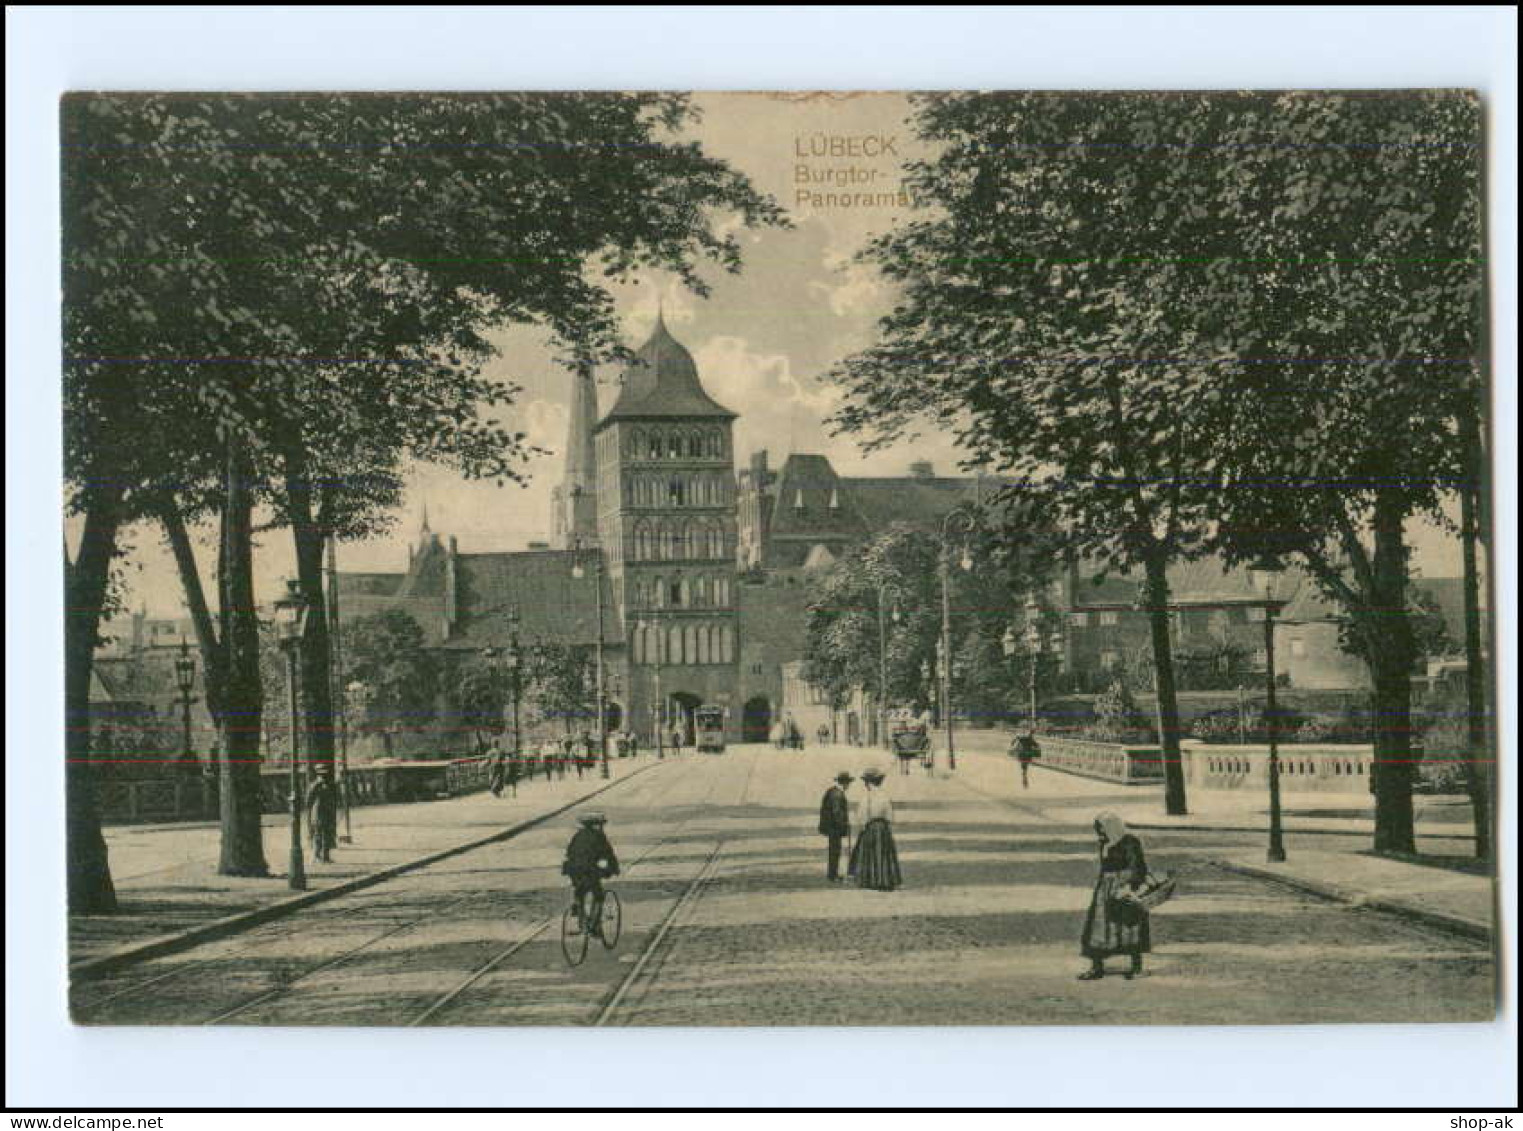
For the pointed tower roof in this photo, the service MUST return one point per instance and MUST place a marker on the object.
(663, 382)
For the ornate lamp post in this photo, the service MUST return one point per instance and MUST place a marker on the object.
(1037, 646)
(290, 622)
(967, 522)
(185, 680)
(615, 692)
(511, 658)
(651, 629)
(1265, 575)
(357, 695)
(883, 661)
(578, 572)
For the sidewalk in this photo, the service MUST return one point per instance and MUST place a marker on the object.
(1068, 798)
(169, 891)
(1437, 895)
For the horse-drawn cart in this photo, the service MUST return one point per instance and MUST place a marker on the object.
(910, 740)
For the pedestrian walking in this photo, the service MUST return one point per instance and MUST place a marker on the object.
(1026, 751)
(874, 857)
(835, 824)
(322, 811)
(568, 752)
(822, 734)
(583, 753)
(677, 740)
(497, 770)
(515, 771)
(1115, 924)
(779, 735)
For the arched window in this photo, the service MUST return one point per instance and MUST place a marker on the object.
(637, 442)
(674, 645)
(653, 446)
(674, 445)
(722, 591)
(726, 644)
(690, 644)
(700, 591)
(681, 597)
(642, 542)
(676, 491)
(703, 644)
(658, 591)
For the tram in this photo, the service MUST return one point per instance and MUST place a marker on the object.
(708, 729)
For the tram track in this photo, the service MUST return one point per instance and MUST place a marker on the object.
(689, 896)
(477, 973)
(269, 933)
(617, 996)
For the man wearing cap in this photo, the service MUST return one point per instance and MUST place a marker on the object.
(835, 824)
(589, 858)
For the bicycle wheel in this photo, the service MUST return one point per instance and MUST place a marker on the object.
(613, 920)
(573, 941)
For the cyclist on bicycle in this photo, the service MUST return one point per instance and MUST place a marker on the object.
(589, 860)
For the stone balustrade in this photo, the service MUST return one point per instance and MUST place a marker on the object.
(1129, 765)
(1321, 768)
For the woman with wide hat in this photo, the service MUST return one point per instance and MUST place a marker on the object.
(874, 858)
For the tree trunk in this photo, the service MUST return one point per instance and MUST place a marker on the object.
(1480, 765)
(241, 795)
(1389, 652)
(1156, 600)
(213, 657)
(317, 722)
(91, 891)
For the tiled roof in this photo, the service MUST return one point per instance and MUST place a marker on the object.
(920, 502)
(1203, 582)
(369, 584)
(552, 605)
(663, 382)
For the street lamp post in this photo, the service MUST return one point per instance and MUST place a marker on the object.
(290, 621)
(1037, 646)
(597, 581)
(883, 662)
(615, 693)
(512, 658)
(649, 627)
(967, 521)
(1266, 577)
(185, 680)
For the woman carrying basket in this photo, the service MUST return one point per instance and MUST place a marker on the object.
(1117, 923)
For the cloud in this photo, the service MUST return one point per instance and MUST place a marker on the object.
(854, 289)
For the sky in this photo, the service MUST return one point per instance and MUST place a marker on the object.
(763, 341)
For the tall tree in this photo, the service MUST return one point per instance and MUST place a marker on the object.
(1355, 338)
(1045, 316)
(316, 276)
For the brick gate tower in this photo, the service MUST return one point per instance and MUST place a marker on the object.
(666, 521)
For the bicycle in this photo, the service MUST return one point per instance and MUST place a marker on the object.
(605, 919)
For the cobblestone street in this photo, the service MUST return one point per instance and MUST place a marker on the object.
(729, 920)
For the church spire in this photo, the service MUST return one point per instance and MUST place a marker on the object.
(576, 498)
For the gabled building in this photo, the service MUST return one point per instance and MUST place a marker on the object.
(703, 572)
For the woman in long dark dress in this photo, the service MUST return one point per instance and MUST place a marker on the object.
(874, 858)
(1114, 925)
